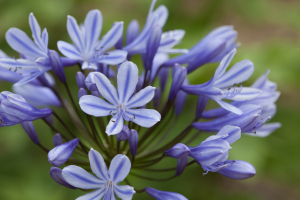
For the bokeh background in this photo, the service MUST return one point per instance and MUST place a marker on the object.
(269, 33)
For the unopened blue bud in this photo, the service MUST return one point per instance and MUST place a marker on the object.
(81, 92)
(30, 130)
(80, 80)
(55, 174)
(57, 65)
(57, 140)
(133, 141)
(179, 102)
(178, 151)
(178, 79)
(90, 82)
(49, 119)
(152, 46)
(238, 169)
(157, 97)
(96, 93)
(201, 104)
(132, 31)
(164, 195)
(60, 154)
(181, 164)
(124, 134)
(210, 151)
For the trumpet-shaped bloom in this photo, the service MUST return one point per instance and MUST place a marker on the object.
(35, 57)
(213, 88)
(121, 103)
(106, 181)
(167, 40)
(86, 48)
(14, 109)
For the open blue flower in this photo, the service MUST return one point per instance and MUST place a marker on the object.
(121, 103)
(107, 182)
(87, 49)
(35, 55)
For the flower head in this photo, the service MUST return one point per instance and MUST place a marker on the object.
(87, 49)
(106, 181)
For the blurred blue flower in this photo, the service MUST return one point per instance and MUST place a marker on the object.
(106, 182)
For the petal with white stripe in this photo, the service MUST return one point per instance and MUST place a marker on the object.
(20, 42)
(92, 25)
(124, 192)
(98, 165)
(143, 117)
(113, 57)
(107, 90)
(68, 50)
(127, 79)
(115, 124)
(80, 178)
(96, 106)
(75, 33)
(111, 37)
(141, 98)
(97, 194)
(119, 168)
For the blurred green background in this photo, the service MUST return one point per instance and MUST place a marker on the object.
(269, 31)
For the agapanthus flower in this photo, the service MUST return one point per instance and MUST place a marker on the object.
(87, 49)
(266, 99)
(212, 48)
(168, 39)
(106, 182)
(218, 87)
(121, 103)
(35, 57)
(14, 109)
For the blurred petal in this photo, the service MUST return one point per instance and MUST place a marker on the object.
(56, 175)
(68, 50)
(75, 33)
(97, 194)
(232, 133)
(20, 42)
(111, 37)
(163, 195)
(112, 57)
(92, 25)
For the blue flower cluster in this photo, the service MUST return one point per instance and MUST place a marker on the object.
(139, 133)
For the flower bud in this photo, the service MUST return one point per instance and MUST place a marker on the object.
(60, 154)
(238, 169)
(29, 128)
(156, 98)
(119, 44)
(124, 134)
(15, 108)
(178, 151)
(57, 65)
(181, 164)
(96, 93)
(133, 141)
(90, 82)
(80, 78)
(55, 174)
(210, 151)
(49, 119)
(81, 92)
(152, 46)
(163, 195)
(178, 78)
(180, 101)
(132, 31)
(57, 140)
(201, 104)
